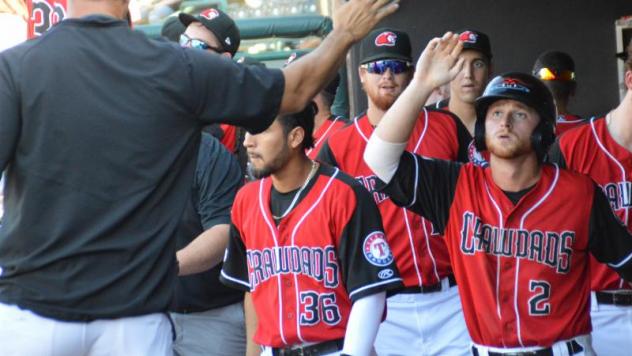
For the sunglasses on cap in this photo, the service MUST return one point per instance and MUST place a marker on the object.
(186, 41)
(379, 67)
(550, 74)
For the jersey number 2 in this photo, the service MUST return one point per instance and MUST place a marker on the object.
(319, 307)
(539, 303)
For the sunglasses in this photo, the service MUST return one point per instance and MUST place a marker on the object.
(186, 41)
(379, 67)
(550, 74)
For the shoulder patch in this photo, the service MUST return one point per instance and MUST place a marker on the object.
(376, 249)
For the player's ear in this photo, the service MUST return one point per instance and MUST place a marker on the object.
(627, 79)
(296, 137)
(362, 74)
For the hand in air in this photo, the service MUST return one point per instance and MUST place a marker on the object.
(358, 17)
(439, 63)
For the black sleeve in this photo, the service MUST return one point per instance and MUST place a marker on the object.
(226, 92)
(366, 260)
(463, 137)
(609, 239)
(425, 186)
(326, 156)
(9, 114)
(555, 155)
(218, 177)
(235, 266)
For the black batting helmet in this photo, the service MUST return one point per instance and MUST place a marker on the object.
(528, 90)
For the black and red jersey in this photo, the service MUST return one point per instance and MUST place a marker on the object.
(520, 260)
(420, 252)
(591, 150)
(305, 272)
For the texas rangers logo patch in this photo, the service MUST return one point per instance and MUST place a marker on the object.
(376, 249)
(514, 84)
(386, 38)
(209, 14)
(468, 37)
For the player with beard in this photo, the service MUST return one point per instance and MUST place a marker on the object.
(307, 243)
(427, 312)
(519, 231)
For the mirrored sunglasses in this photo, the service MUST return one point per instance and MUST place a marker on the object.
(551, 74)
(379, 67)
(186, 41)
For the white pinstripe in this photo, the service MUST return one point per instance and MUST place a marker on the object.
(276, 246)
(292, 242)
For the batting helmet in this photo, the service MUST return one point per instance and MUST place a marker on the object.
(528, 90)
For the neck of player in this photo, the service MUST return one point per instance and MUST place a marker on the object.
(620, 119)
(465, 111)
(294, 174)
(374, 114)
(114, 8)
(515, 174)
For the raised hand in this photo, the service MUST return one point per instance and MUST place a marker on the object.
(439, 63)
(358, 17)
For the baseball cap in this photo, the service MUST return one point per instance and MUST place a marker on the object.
(330, 88)
(220, 24)
(554, 65)
(385, 43)
(476, 40)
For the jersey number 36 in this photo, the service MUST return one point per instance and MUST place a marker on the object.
(319, 307)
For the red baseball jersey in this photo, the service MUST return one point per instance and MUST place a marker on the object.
(304, 274)
(520, 259)
(420, 253)
(591, 150)
(566, 122)
(321, 135)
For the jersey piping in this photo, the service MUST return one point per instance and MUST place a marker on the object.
(294, 231)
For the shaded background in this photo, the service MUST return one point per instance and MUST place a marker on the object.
(519, 32)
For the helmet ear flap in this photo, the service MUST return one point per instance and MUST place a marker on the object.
(542, 138)
(479, 135)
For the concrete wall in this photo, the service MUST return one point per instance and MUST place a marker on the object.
(519, 31)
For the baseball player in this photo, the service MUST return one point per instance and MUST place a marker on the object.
(325, 123)
(427, 313)
(557, 70)
(99, 133)
(466, 87)
(213, 30)
(601, 149)
(307, 243)
(520, 232)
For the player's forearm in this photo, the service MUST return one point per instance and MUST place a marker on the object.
(252, 349)
(389, 139)
(364, 321)
(308, 75)
(205, 251)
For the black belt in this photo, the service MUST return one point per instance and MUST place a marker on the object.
(428, 289)
(614, 298)
(573, 348)
(323, 348)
